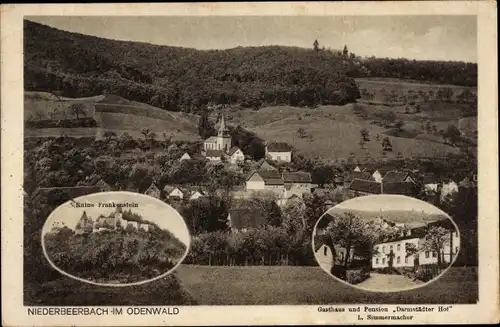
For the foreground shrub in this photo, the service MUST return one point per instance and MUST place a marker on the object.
(356, 276)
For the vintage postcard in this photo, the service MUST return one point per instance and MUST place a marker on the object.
(249, 164)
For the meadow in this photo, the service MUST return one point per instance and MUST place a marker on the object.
(288, 285)
(69, 292)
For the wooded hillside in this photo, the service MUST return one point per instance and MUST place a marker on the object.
(183, 79)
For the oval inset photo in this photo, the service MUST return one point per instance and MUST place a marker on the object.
(385, 243)
(115, 239)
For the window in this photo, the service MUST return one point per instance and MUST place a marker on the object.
(398, 259)
(456, 249)
(376, 248)
(434, 254)
(399, 247)
(325, 251)
(406, 259)
(376, 261)
(391, 247)
(383, 261)
(427, 254)
(383, 249)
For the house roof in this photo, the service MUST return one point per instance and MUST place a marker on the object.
(264, 165)
(279, 147)
(214, 153)
(395, 176)
(101, 183)
(211, 139)
(153, 186)
(297, 177)
(367, 186)
(398, 188)
(271, 177)
(381, 170)
(247, 218)
(233, 150)
(359, 175)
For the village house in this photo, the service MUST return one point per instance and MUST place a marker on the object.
(265, 180)
(430, 182)
(448, 187)
(153, 191)
(376, 173)
(365, 187)
(173, 192)
(185, 156)
(398, 248)
(263, 165)
(361, 175)
(297, 183)
(279, 151)
(221, 142)
(195, 195)
(398, 177)
(243, 219)
(236, 155)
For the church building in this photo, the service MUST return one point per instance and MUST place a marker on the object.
(221, 142)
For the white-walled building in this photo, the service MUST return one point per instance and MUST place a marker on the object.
(221, 142)
(279, 151)
(236, 156)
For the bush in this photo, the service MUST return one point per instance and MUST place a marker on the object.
(387, 271)
(356, 276)
(64, 123)
(339, 272)
(426, 273)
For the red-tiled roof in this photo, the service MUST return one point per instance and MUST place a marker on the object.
(366, 186)
(247, 218)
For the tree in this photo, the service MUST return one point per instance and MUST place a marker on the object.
(386, 144)
(428, 127)
(109, 135)
(434, 241)
(205, 126)
(399, 124)
(316, 45)
(78, 109)
(345, 52)
(145, 132)
(365, 135)
(452, 133)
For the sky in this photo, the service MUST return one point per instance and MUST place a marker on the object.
(150, 209)
(449, 38)
(388, 203)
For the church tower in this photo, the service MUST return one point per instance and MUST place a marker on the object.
(223, 139)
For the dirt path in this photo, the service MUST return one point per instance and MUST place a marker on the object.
(385, 282)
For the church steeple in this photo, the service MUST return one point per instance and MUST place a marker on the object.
(222, 127)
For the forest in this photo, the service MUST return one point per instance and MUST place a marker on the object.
(190, 80)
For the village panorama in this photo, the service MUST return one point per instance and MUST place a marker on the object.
(250, 146)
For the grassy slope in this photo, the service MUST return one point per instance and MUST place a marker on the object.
(66, 291)
(43, 105)
(311, 285)
(334, 130)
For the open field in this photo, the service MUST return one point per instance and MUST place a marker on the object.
(333, 132)
(66, 291)
(275, 285)
(111, 113)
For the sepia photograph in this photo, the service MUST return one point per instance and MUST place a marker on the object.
(386, 243)
(249, 163)
(251, 137)
(115, 239)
